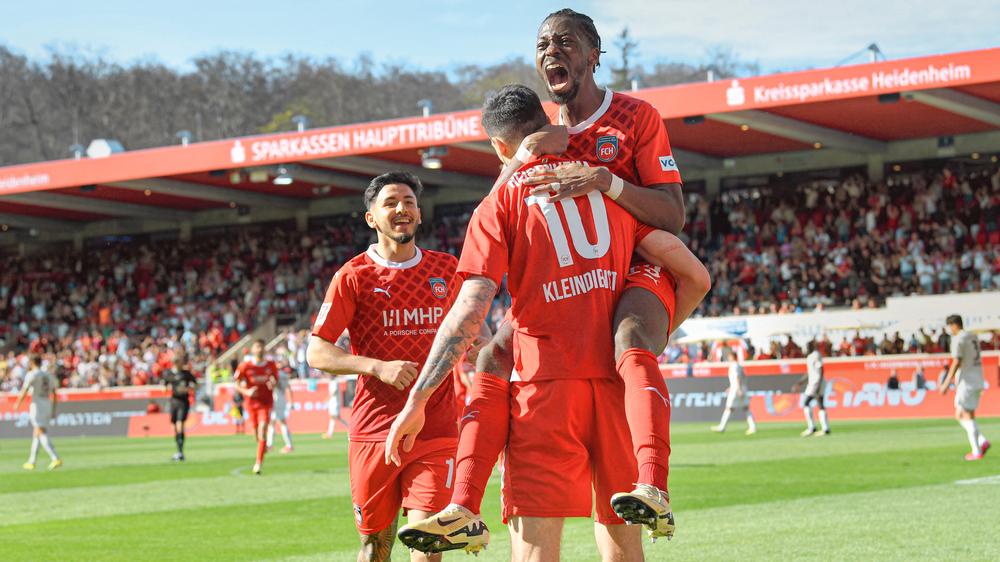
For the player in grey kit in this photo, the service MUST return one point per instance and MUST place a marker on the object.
(42, 385)
(967, 370)
(815, 387)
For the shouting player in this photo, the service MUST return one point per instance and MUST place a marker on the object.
(626, 144)
(256, 378)
(568, 432)
(391, 299)
(42, 385)
(967, 369)
(182, 385)
(283, 401)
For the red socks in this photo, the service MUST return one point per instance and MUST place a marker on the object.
(482, 437)
(261, 448)
(647, 408)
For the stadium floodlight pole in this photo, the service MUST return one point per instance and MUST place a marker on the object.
(301, 122)
(185, 136)
(427, 106)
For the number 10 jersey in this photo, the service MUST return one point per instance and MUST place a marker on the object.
(566, 265)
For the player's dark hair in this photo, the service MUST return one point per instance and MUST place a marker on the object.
(954, 320)
(584, 23)
(513, 113)
(260, 341)
(388, 178)
(35, 360)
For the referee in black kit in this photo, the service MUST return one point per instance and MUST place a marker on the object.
(182, 385)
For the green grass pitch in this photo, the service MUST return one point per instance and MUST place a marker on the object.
(895, 490)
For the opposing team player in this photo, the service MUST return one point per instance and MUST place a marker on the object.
(815, 387)
(626, 144)
(568, 431)
(42, 385)
(182, 383)
(283, 400)
(737, 395)
(967, 369)
(256, 378)
(391, 299)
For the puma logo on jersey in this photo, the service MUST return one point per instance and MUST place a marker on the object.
(383, 291)
(658, 393)
(470, 416)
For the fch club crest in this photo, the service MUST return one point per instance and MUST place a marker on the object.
(438, 287)
(607, 148)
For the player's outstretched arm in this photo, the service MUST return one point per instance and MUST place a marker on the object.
(325, 356)
(460, 327)
(693, 280)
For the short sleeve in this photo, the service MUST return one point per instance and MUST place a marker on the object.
(486, 246)
(642, 231)
(338, 306)
(654, 160)
(956, 347)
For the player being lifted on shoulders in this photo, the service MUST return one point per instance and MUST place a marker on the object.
(626, 144)
(737, 395)
(256, 378)
(42, 385)
(967, 370)
(391, 299)
(283, 401)
(182, 384)
(564, 262)
(815, 387)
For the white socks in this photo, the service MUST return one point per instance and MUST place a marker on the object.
(750, 421)
(270, 435)
(47, 445)
(823, 421)
(286, 435)
(975, 438)
(331, 426)
(725, 419)
(810, 425)
(34, 451)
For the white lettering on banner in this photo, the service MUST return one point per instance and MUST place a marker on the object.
(879, 80)
(576, 285)
(13, 182)
(445, 129)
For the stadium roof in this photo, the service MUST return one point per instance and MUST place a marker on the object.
(876, 113)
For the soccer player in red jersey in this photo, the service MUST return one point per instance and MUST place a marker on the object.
(255, 380)
(626, 144)
(391, 300)
(566, 265)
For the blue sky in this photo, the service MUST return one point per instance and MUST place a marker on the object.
(779, 34)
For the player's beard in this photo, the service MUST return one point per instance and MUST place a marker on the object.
(565, 97)
(397, 237)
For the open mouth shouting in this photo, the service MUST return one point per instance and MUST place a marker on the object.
(557, 77)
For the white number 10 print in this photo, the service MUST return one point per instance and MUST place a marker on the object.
(583, 246)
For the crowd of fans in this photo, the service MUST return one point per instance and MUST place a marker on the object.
(113, 313)
(849, 243)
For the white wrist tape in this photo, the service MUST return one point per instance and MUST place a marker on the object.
(523, 155)
(617, 186)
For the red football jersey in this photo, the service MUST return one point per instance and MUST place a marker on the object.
(626, 136)
(566, 265)
(392, 312)
(257, 376)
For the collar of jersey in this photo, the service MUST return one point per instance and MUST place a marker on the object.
(394, 264)
(583, 126)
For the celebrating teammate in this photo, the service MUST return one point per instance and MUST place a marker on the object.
(391, 299)
(181, 383)
(815, 387)
(568, 431)
(737, 395)
(967, 369)
(283, 400)
(42, 385)
(625, 142)
(256, 378)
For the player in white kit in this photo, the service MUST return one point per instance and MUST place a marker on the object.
(815, 387)
(333, 407)
(738, 394)
(967, 370)
(279, 412)
(43, 387)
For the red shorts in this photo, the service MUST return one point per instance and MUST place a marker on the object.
(378, 490)
(258, 413)
(569, 441)
(655, 280)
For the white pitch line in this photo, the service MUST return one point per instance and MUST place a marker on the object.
(984, 480)
(238, 471)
